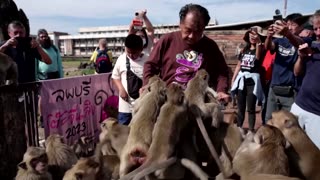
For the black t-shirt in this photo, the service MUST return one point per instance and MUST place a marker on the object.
(249, 61)
(26, 61)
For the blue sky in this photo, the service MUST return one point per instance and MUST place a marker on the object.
(70, 15)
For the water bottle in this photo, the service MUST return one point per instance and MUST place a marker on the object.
(137, 21)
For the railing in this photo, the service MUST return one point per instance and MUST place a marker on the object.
(18, 125)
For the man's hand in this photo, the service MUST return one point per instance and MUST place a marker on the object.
(280, 27)
(224, 97)
(143, 13)
(10, 43)
(304, 50)
(124, 95)
(270, 31)
(34, 44)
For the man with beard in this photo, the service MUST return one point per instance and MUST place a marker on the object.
(24, 51)
(54, 70)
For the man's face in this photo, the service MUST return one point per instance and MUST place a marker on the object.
(294, 27)
(192, 28)
(133, 53)
(316, 27)
(16, 32)
(44, 40)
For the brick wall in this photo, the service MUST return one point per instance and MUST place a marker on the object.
(228, 41)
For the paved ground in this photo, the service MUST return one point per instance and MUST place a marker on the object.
(229, 111)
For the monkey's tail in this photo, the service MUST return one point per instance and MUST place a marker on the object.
(210, 145)
(194, 168)
(154, 167)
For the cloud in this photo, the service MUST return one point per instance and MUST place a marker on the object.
(69, 16)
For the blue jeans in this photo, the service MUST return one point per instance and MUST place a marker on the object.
(124, 118)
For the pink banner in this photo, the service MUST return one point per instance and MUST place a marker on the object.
(74, 107)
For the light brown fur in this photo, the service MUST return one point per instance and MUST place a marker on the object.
(173, 117)
(27, 171)
(304, 154)
(113, 137)
(196, 93)
(84, 169)
(141, 127)
(263, 152)
(8, 70)
(267, 177)
(60, 156)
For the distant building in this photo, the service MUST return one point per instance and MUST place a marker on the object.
(86, 41)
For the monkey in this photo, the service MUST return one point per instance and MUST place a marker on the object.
(84, 146)
(145, 90)
(84, 169)
(34, 165)
(98, 167)
(60, 156)
(173, 117)
(304, 156)
(258, 150)
(195, 93)
(141, 127)
(113, 137)
(8, 70)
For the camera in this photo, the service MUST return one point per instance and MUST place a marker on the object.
(24, 42)
(277, 16)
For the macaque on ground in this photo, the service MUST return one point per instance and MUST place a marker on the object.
(34, 165)
(60, 156)
(113, 137)
(262, 153)
(172, 119)
(304, 155)
(139, 140)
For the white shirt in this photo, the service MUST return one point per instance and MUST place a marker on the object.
(120, 72)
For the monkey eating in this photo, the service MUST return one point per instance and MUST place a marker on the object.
(60, 156)
(141, 127)
(304, 156)
(262, 153)
(8, 70)
(173, 117)
(34, 165)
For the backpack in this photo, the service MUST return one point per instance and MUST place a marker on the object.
(103, 63)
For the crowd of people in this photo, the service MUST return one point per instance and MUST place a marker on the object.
(277, 69)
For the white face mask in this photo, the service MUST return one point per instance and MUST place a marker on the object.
(144, 41)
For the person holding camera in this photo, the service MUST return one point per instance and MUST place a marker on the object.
(282, 90)
(246, 78)
(307, 103)
(24, 51)
(147, 33)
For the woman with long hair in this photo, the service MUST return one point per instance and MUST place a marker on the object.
(246, 82)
